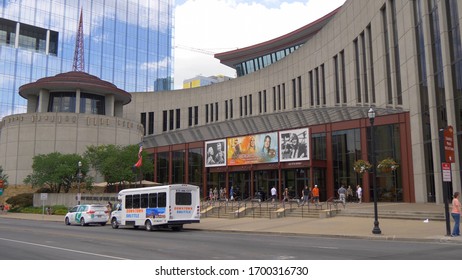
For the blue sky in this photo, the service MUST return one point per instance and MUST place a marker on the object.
(212, 26)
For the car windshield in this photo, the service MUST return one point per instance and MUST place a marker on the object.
(99, 208)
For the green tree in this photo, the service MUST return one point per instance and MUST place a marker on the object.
(115, 163)
(56, 171)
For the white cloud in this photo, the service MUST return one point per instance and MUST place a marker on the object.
(224, 25)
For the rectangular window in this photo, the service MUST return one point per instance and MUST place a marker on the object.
(231, 110)
(387, 55)
(264, 101)
(151, 123)
(274, 98)
(240, 106)
(216, 111)
(171, 119)
(183, 198)
(250, 104)
(396, 53)
(279, 98)
(316, 84)
(190, 116)
(310, 76)
(323, 82)
(196, 115)
(162, 199)
(260, 107)
(336, 80)
(226, 109)
(128, 201)
(211, 112)
(178, 118)
(371, 64)
(143, 122)
(284, 96)
(357, 71)
(344, 93)
(364, 67)
(136, 201)
(206, 113)
(164, 120)
(144, 200)
(294, 94)
(152, 200)
(299, 79)
(245, 105)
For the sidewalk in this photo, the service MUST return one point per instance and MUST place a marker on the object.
(339, 226)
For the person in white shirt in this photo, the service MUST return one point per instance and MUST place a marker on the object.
(359, 193)
(274, 193)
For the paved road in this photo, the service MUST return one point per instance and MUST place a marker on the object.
(417, 229)
(46, 240)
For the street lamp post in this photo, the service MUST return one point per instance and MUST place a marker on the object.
(79, 176)
(371, 115)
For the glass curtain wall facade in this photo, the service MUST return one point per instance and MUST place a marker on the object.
(126, 42)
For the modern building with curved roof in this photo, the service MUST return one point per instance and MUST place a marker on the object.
(65, 113)
(400, 58)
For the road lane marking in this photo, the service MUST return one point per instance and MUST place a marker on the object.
(62, 249)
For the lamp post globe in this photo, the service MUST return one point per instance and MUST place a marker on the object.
(371, 115)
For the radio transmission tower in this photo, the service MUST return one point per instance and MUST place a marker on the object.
(79, 63)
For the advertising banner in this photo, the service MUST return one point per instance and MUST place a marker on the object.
(252, 149)
(294, 145)
(216, 155)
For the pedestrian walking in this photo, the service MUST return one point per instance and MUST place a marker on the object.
(286, 195)
(315, 195)
(306, 195)
(349, 194)
(231, 193)
(455, 213)
(273, 193)
(342, 194)
(359, 193)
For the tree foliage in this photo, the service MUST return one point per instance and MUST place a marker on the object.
(59, 172)
(115, 163)
(56, 171)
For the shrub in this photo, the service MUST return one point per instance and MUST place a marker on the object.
(21, 200)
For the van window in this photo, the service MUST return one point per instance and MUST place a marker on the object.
(144, 200)
(162, 200)
(136, 201)
(153, 200)
(182, 198)
(128, 201)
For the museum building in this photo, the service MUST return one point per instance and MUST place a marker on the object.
(400, 58)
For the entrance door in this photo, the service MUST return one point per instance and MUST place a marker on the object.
(241, 184)
(319, 178)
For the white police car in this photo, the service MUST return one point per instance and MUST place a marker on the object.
(86, 214)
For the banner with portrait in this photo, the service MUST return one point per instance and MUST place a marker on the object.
(252, 149)
(294, 145)
(215, 153)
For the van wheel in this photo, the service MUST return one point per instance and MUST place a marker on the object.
(148, 225)
(114, 223)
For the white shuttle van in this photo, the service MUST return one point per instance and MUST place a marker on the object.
(169, 206)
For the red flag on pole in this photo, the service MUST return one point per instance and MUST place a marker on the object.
(140, 158)
(139, 162)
